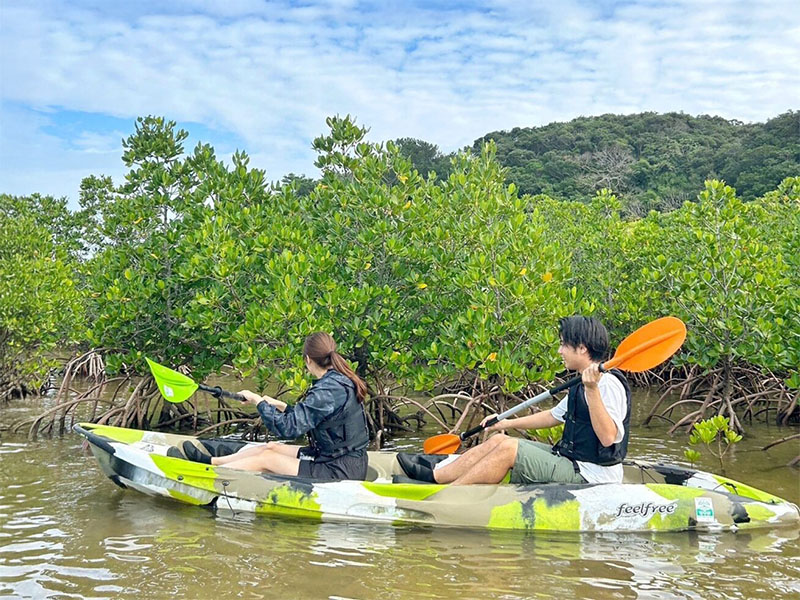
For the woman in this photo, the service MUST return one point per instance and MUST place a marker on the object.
(332, 415)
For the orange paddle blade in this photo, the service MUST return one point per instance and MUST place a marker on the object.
(444, 443)
(649, 346)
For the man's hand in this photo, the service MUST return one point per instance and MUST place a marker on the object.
(496, 427)
(591, 376)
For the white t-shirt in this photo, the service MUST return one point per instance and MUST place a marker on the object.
(613, 395)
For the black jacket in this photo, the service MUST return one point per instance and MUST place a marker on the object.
(330, 414)
(579, 441)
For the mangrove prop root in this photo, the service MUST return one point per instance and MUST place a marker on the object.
(739, 392)
(689, 394)
(796, 460)
(123, 401)
(795, 436)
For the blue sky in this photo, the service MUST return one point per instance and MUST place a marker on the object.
(262, 76)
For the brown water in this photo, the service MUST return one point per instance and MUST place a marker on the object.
(67, 532)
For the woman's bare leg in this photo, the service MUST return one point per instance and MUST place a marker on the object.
(285, 449)
(247, 451)
(267, 460)
(243, 453)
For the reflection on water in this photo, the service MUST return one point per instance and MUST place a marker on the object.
(67, 532)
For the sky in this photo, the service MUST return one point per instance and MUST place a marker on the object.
(262, 76)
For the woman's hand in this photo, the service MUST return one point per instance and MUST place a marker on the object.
(255, 399)
(251, 397)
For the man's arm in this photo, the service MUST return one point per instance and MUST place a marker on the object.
(539, 420)
(602, 423)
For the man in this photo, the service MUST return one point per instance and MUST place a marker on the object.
(596, 416)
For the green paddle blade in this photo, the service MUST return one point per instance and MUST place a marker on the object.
(174, 386)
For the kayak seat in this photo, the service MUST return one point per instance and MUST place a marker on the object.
(372, 473)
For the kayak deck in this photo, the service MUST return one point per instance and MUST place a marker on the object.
(652, 497)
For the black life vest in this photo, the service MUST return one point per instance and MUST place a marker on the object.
(343, 431)
(579, 441)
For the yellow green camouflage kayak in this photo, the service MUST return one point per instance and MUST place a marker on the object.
(652, 497)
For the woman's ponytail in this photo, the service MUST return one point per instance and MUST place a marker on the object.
(340, 364)
(321, 348)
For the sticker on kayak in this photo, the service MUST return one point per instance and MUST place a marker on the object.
(704, 510)
(168, 391)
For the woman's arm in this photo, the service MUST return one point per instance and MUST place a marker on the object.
(254, 399)
(290, 422)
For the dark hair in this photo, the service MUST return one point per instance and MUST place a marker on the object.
(587, 331)
(321, 348)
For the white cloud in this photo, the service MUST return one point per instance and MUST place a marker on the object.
(270, 72)
(99, 143)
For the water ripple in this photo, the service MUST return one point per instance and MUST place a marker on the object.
(69, 532)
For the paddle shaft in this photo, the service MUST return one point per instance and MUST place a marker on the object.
(535, 400)
(217, 391)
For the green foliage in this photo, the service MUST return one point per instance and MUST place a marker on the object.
(655, 161)
(140, 303)
(780, 229)
(601, 249)
(498, 281)
(692, 455)
(40, 302)
(301, 184)
(710, 263)
(547, 435)
(421, 279)
(710, 433)
(425, 157)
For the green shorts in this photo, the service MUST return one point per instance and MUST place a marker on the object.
(536, 463)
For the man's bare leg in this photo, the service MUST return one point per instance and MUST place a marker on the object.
(466, 461)
(494, 465)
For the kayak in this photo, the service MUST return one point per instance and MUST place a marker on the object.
(652, 497)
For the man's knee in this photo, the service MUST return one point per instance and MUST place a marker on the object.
(509, 444)
(496, 440)
(506, 447)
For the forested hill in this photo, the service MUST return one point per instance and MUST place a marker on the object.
(654, 160)
(651, 160)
